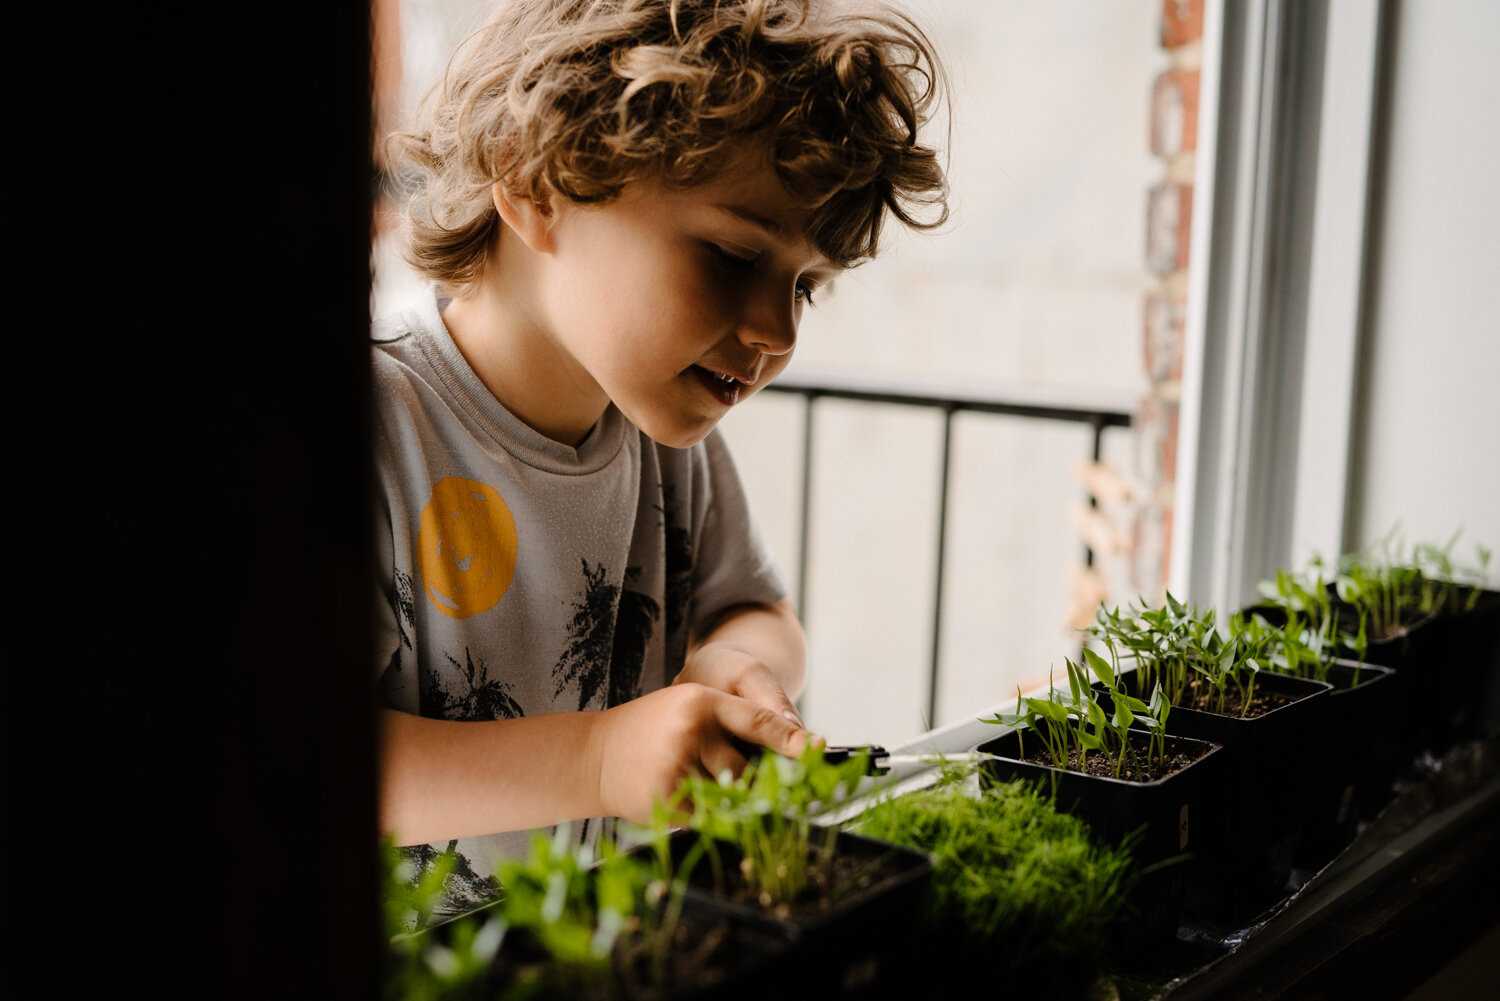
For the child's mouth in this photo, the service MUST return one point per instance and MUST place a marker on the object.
(724, 388)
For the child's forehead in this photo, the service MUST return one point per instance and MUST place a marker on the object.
(754, 195)
(748, 186)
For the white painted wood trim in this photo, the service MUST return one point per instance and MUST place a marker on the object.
(1180, 565)
(1336, 280)
(1221, 339)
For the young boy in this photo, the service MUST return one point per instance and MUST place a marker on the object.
(624, 206)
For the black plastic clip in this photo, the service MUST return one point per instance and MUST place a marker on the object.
(878, 758)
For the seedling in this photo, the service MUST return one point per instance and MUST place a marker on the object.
(1394, 589)
(768, 813)
(1311, 637)
(565, 911)
(421, 965)
(573, 904)
(1070, 725)
(1183, 651)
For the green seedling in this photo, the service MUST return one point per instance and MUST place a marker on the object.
(1071, 724)
(572, 902)
(1184, 652)
(564, 909)
(425, 965)
(768, 813)
(1310, 637)
(1162, 642)
(1395, 589)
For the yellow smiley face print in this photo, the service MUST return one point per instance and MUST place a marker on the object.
(466, 547)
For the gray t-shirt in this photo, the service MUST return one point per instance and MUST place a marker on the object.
(522, 576)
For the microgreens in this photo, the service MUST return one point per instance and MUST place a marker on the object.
(768, 814)
(1022, 884)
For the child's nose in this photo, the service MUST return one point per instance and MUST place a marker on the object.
(770, 325)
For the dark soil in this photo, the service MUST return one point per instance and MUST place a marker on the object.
(1204, 698)
(1138, 768)
(829, 880)
(705, 957)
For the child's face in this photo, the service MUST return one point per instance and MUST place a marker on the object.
(651, 300)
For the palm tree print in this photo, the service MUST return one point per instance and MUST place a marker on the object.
(585, 662)
(634, 624)
(406, 609)
(483, 698)
(678, 543)
(464, 889)
(607, 636)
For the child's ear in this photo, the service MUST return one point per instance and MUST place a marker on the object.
(529, 218)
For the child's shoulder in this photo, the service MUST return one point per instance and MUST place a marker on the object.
(411, 318)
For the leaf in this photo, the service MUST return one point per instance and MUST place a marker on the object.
(1017, 720)
(1100, 666)
(1077, 681)
(1053, 711)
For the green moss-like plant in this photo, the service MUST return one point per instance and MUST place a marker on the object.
(1017, 888)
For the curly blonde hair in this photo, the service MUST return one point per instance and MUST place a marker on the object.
(581, 97)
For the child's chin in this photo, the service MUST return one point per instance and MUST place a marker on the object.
(675, 435)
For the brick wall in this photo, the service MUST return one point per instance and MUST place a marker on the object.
(1173, 138)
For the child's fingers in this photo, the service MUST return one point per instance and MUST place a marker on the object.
(762, 688)
(740, 674)
(759, 726)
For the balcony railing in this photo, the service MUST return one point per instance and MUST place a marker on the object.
(1099, 409)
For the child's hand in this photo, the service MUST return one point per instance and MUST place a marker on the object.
(644, 748)
(730, 669)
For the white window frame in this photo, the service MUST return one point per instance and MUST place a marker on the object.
(1276, 290)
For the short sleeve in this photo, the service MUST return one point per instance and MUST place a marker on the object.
(733, 565)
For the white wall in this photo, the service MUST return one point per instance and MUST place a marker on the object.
(1427, 446)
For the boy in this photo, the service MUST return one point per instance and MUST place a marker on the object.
(624, 205)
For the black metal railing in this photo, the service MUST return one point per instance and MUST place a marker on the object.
(1098, 409)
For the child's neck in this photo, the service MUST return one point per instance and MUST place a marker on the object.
(526, 370)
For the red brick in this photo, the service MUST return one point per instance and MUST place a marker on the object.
(1181, 22)
(1174, 113)
(1165, 318)
(1151, 553)
(1155, 426)
(1165, 567)
(1169, 222)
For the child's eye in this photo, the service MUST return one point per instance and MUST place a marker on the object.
(731, 261)
(736, 263)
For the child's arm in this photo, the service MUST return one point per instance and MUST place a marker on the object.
(443, 779)
(754, 651)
